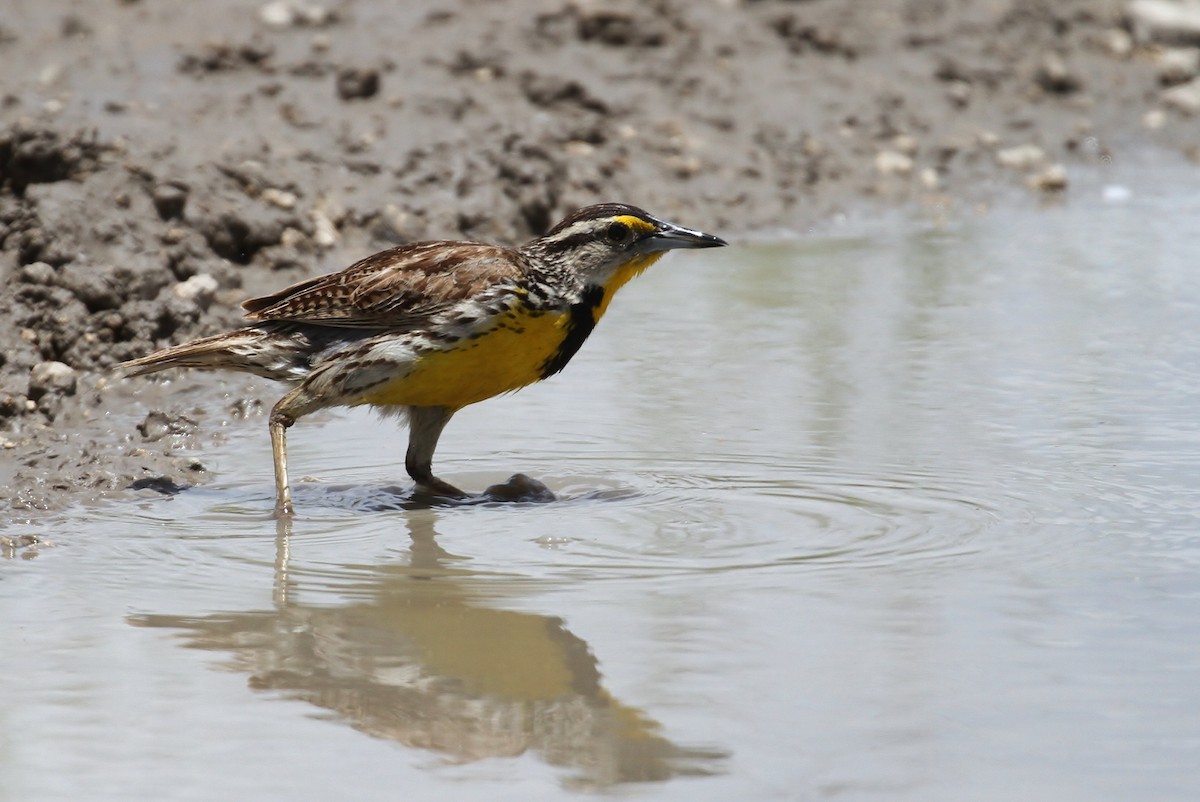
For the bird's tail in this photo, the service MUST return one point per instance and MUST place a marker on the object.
(252, 350)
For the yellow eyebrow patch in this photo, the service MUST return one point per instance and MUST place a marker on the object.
(636, 224)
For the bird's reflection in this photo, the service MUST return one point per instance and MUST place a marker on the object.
(423, 660)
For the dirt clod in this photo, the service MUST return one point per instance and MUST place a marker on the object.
(159, 424)
(170, 200)
(38, 155)
(356, 84)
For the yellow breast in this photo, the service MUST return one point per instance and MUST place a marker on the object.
(510, 353)
(498, 360)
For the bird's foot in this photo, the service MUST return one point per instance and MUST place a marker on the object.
(519, 487)
(434, 486)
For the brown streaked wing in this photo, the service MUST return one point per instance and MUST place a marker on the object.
(396, 288)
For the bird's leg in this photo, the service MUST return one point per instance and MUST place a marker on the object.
(288, 410)
(283, 493)
(425, 426)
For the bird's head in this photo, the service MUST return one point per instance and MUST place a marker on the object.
(609, 242)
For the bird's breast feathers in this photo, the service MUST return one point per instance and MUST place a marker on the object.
(498, 352)
(495, 356)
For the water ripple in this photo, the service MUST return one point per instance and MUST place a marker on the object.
(615, 517)
(733, 513)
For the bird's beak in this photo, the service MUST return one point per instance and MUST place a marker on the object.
(670, 236)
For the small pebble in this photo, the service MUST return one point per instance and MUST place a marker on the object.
(1118, 42)
(1165, 21)
(1154, 119)
(279, 198)
(51, 377)
(324, 231)
(353, 84)
(959, 93)
(199, 289)
(1052, 179)
(905, 144)
(1021, 157)
(37, 273)
(1054, 76)
(277, 15)
(1184, 98)
(285, 14)
(158, 424)
(891, 162)
(1177, 65)
(170, 199)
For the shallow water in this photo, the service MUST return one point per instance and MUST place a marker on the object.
(891, 511)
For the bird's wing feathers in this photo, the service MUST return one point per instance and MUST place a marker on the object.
(397, 288)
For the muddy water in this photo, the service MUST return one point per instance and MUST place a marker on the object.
(892, 511)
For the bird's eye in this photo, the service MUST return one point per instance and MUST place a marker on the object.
(617, 233)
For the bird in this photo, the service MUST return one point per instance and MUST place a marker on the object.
(423, 329)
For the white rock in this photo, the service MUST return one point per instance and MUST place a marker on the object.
(38, 273)
(315, 15)
(52, 377)
(50, 74)
(293, 238)
(1021, 157)
(278, 15)
(284, 14)
(325, 233)
(1154, 119)
(891, 162)
(200, 289)
(279, 197)
(905, 144)
(1052, 179)
(1118, 42)
(959, 92)
(929, 178)
(1165, 21)
(579, 149)
(1184, 98)
(1178, 64)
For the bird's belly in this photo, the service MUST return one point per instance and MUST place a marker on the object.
(506, 357)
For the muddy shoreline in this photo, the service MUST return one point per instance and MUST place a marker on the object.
(161, 161)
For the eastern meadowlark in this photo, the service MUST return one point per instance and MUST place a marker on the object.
(427, 328)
